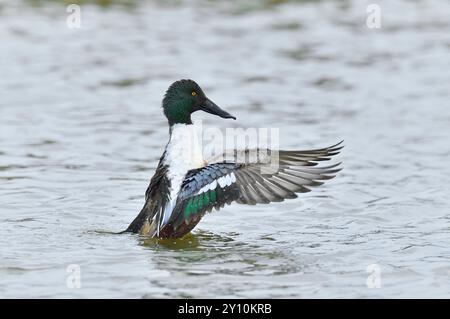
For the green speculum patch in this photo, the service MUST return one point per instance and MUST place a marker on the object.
(197, 203)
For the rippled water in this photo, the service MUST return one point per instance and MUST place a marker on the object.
(81, 131)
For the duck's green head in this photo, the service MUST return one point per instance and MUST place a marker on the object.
(185, 97)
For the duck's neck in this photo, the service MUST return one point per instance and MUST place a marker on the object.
(184, 149)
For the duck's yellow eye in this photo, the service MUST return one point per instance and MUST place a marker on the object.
(194, 93)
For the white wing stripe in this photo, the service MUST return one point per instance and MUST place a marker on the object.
(223, 182)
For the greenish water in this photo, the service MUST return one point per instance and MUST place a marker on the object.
(81, 130)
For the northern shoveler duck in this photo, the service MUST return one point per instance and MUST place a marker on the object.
(185, 187)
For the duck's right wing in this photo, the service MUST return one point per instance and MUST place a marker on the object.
(148, 221)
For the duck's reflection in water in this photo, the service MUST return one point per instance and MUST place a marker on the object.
(204, 263)
(204, 253)
(200, 240)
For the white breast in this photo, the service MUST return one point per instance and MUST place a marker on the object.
(183, 153)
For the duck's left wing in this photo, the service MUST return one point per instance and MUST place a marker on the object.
(203, 189)
(261, 177)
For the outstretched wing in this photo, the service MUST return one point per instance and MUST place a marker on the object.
(252, 177)
(203, 189)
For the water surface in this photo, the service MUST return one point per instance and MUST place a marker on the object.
(81, 131)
